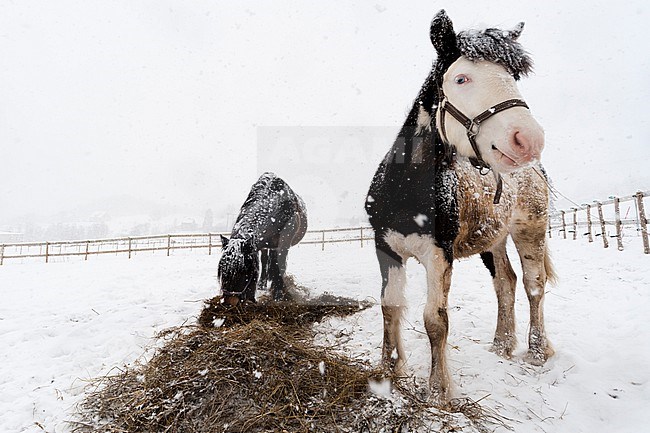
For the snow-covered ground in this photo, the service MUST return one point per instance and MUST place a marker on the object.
(64, 323)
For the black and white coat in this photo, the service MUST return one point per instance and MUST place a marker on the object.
(427, 202)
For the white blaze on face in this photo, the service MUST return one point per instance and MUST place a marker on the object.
(509, 140)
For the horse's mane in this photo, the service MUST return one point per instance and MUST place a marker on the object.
(232, 259)
(496, 46)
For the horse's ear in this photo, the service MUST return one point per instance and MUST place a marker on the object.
(224, 241)
(442, 33)
(516, 32)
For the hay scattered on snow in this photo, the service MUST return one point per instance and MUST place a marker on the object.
(301, 312)
(258, 371)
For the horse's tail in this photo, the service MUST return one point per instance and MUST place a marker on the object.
(551, 275)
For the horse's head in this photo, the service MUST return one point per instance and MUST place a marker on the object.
(238, 270)
(480, 110)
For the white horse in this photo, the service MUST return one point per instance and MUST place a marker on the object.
(462, 175)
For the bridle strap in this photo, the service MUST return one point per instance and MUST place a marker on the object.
(473, 127)
(238, 294)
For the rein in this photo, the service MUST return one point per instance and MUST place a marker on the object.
(473, 127)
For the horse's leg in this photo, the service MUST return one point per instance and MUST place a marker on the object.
(436, 321)
(505, 282)
(264, 264)
(281, 293)
(393, 281)
(530, 240)
(277, 268)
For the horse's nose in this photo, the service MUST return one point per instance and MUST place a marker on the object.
(231, 300)
(527, 144)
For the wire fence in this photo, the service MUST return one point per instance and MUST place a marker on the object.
(620, 219)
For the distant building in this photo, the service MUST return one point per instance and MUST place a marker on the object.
(187, 225)
(10, 237)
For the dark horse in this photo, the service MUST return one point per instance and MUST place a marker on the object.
(462, 175)
(272, 219)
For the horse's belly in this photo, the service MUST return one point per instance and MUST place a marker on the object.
(300, 226)
(284, 233)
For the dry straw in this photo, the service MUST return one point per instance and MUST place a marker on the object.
(259, 371)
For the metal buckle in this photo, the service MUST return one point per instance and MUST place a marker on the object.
(480, 165)
(226, 293)
(474, 128)
(483, 170)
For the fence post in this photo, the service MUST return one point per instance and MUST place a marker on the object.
(575, 224)
(323, 241)
(642, 218)
(209, 244)
(591, 238)
(47, 252)
(2, 254)
(563, 226)
(87, 247)
(361, 237)
(619, 235)
(549, 229)
(129, 247)
(169, 244)
(603, 231)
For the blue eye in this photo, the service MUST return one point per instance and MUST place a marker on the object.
(461, 79)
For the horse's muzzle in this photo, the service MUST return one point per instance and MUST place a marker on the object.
(231, 300)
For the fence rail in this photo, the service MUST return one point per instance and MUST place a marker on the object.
(603, 219)
(168, 244)
(607, 213)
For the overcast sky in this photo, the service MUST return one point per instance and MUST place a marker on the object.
(165, 101)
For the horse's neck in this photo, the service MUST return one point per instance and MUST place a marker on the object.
(418, 143)
(245, 236)
(251, 216)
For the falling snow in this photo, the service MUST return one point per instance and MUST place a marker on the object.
(421, 219)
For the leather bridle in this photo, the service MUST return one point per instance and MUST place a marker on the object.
(240, 293)
(473, 127)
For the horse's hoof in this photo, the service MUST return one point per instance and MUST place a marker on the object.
(438, 397)
(391, 361)
(397, 369)
(439, 389)
(534, 358)
(503, 348)
(538, 357)
(281, 296)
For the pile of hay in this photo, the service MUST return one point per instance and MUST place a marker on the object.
(300, 312)
(254, 368)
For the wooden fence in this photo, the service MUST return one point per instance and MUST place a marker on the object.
(161, 244)
(620, 218)
(607, 219)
